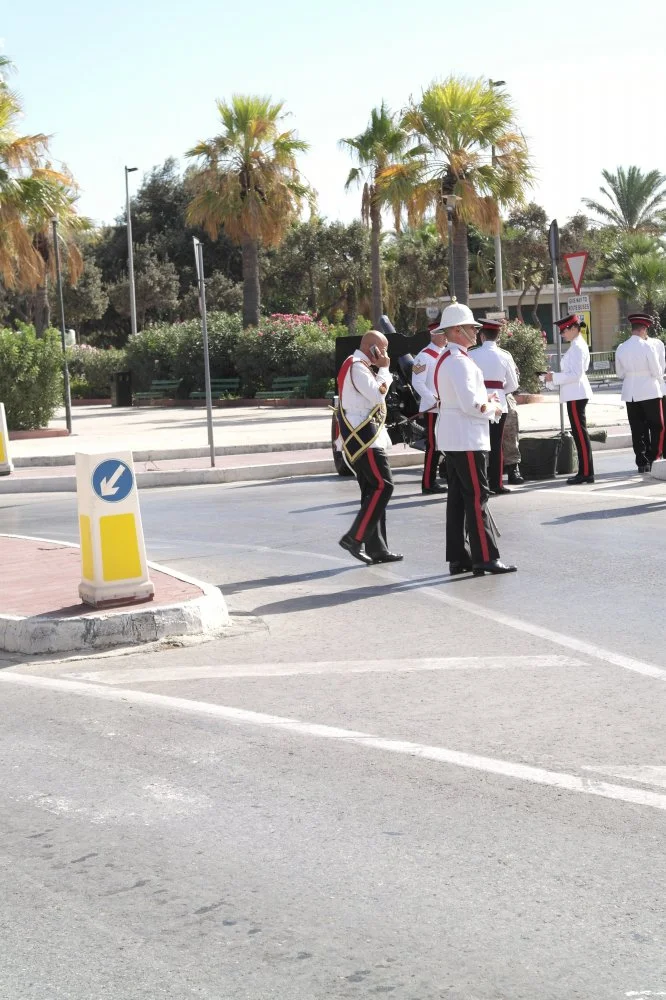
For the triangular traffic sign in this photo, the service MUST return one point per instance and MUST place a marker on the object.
(576, 264)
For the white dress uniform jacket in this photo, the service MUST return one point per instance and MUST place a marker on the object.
(497, 366)
(636, 362)
(423, 377)
(360, 394)
(572, 380)
(459, 383)
(658, 346)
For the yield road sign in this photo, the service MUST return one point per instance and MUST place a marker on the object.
(112, 480)
(576, 264)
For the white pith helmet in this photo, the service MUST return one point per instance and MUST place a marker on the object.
(457, 314)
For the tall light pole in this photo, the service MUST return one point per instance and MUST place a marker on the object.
(499, 277)
(130, 252)
(65, 368)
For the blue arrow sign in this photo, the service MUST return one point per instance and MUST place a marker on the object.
(112, 480)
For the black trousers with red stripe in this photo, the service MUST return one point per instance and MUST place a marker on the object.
(646, 421)
(496, 460)
(466, 509)
(578, 421)
(433, 458)
(373, 474)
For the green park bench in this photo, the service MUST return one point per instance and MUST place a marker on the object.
(159, 389)
(219, 387)
(286, 387)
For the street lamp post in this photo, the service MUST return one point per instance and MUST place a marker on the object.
(450, 201)
(499, 277)
(130, 252)
(65, 368)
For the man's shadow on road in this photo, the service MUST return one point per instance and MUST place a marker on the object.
(609, 513)
(314, 602)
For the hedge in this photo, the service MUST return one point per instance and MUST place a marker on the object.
(527, 346)
(91, 368)
(31, 380)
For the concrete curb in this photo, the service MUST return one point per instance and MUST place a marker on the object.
(167, 454)
(280, 470)
(97, 631)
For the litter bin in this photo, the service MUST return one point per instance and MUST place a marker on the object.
(538, 457)
(121, 389)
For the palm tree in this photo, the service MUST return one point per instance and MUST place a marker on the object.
(382, 144)
(470, 147)
(638, 268)
(636, 201)
(32, 193)
(248, 183)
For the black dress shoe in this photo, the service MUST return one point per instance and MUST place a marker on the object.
(495, 566)
(644, 468)
(437, 488)
(456, 568)
(500, 490)
(354, 549)
(577, 480)
(387, 557)
(514, 477)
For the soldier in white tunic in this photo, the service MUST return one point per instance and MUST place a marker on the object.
(462, 433)
(500, 376)
(638, 365)
(423, 383)
(575, 391)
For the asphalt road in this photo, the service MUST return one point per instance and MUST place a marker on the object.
(380, 781)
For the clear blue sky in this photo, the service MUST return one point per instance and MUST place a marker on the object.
(134, 82)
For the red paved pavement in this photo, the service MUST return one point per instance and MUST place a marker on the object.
(42, 578)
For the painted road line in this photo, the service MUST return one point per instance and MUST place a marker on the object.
(646, 774)
(441, 755)
(549, 635)
(263, 669)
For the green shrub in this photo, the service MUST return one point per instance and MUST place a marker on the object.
(93, 367)
(30, 377)
(175, 350)
(287, 345)
(528, 349)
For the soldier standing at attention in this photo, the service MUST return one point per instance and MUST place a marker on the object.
(500, 376)
(462, 433)
(639, 366)
(423, 383)
(575, 390)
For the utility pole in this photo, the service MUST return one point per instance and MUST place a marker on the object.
(130, 252)
(65, 368)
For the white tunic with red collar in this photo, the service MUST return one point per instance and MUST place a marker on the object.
(459, 383)
(499, 370)
(423, 377)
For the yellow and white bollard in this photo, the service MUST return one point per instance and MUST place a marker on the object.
(113, 552)
(5, 459)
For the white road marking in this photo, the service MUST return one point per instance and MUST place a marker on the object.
(558, 638)
(647, 774)
(262, 669)
(475, 762)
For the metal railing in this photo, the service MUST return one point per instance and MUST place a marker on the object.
(602, 366)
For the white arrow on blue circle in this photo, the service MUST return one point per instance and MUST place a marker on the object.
(107, 487)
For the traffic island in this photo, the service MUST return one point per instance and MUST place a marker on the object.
(40, 611)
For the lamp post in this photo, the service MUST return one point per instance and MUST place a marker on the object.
(499, 278)
(65, 369)
(130, 252)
